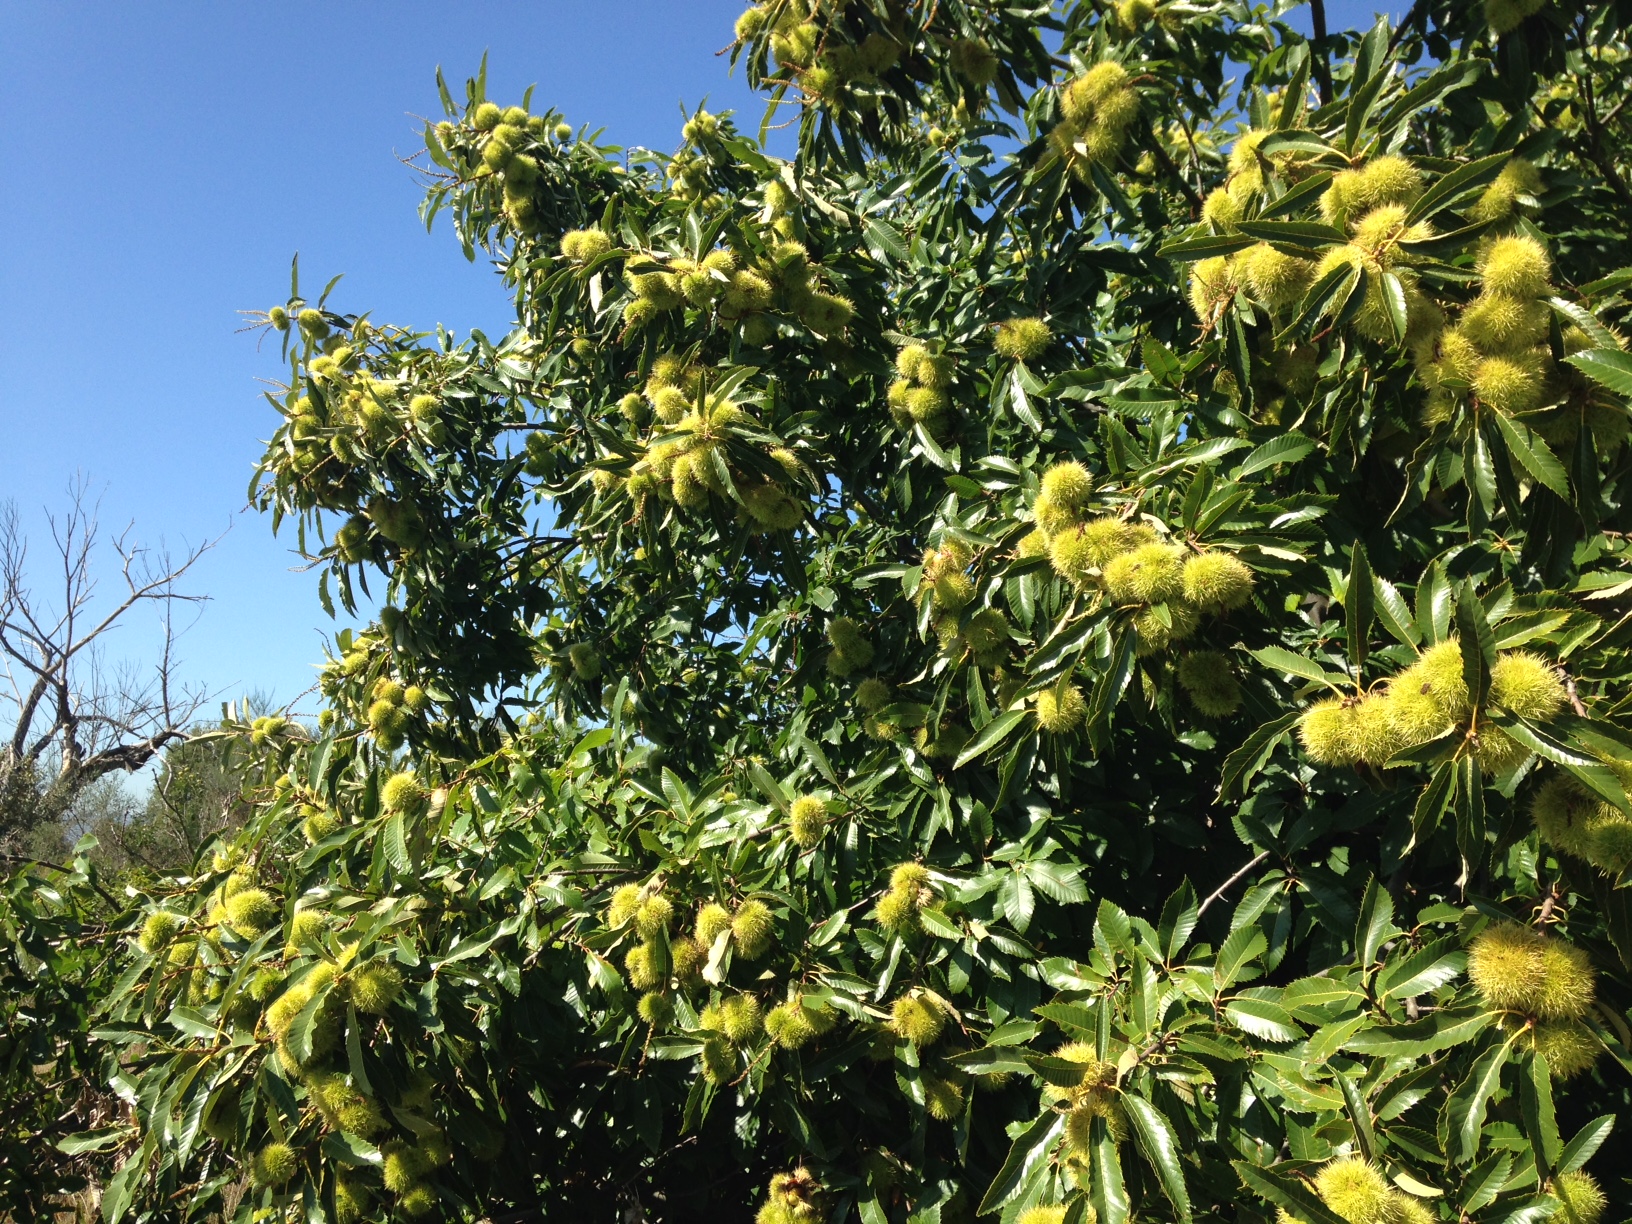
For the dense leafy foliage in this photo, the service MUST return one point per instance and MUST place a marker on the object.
(1059, 655)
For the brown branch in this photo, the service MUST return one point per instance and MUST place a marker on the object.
(100, 722)
(1230, 883)
(39, 862)
(1323, 69)
(1594, 152)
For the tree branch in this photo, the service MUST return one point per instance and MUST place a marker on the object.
(1323, 70)
(1230, 883)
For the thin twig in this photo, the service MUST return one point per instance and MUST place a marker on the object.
(39, 862)
(1417, 12)
(1229, 883)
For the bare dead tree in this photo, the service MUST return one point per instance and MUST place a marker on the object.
(68, 716)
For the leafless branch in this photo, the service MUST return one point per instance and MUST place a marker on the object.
(67, 715)
(1231, 882)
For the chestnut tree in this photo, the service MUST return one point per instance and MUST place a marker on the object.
(1058, 655)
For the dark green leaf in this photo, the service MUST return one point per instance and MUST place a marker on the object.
(1203, 248)
(1464, 1113)
(1456, 185)
(1533, 455)
(1287, 1191)
(1608, 367)
(1031, 1147)
(1584, 1146)
(1160, 1146)
(1357, 605)
(1536, 1105)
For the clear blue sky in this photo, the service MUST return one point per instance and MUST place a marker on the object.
(164, 161)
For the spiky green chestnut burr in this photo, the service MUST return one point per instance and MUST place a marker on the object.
(623, 906)
(807, 820)
(873, 695)
(748, 291)
(1085, 93)
(1527, 685)
(719, 1060)
(752, 929)
(361, 1117)
(306, 927)
(404, 1166)
(1327, 731)
(953, 592)
(1580, 1198)
(653, 915)
(1498, 323)
(686, 958)
(909, 877)
(251, 911)
(1157, 628)
(487, 116)
(1208, 679)
(656, 1009)
(1506, 967)
(1404, 1209)
(1023, 339)
(1437, 677)
(388, 721)
(1568, 1047)
(402, 792)
(741, 1019)
(851, 648)
(1569, 984)
(1062, 497)
(789, 1025)
(158, 931)
(974, 60)
(1511, 384)
(1222, 210)
(1078, 554)
(1212, 281)
(586, 245)
(352, 1200)
(1274, 278)
(1609, 842)
(1061, 709)
(917, 1018)
(1046, 1215)
(417, 1201)
(1216, 582)
(1517, 266)
(1151, 574)
(640, 963)
(827, 314)
(712, 919)
(909, 360)
(1356, 1190)
(1033, 544)
(1518, 178)
(375, 988)
(943, 1098)
(897, 911)
(274, 1165)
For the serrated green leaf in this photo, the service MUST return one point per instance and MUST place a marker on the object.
(1160, 1146)
(1607, 367)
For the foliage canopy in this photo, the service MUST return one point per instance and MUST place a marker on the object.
(1059, 655)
